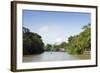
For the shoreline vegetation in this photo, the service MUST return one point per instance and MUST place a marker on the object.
(77, 44)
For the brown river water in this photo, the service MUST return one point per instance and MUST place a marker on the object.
(54, 56)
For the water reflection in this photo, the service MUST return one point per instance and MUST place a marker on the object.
(53, 56)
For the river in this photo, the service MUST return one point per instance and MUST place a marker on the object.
(53, 56)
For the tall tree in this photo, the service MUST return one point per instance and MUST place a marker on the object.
(32, 42)
(81, 42)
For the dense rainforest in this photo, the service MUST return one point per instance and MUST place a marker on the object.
(77, 44)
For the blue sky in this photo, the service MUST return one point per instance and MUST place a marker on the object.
(55, 27)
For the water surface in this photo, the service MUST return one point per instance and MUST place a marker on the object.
(53, 56)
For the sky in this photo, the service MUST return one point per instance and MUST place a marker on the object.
(55, 27)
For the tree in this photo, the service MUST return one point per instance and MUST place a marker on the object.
(87, 37)
(71, 45)
(81, 42)
(48, 47)
(32, 42)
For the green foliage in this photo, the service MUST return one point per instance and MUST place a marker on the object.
(63, 45)
(77, 44)
(32, 42)
(48, 47)
(55, 47)
(80, 43)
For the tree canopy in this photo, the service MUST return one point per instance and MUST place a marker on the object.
(81, 42)
(77, 44)
(32, 42)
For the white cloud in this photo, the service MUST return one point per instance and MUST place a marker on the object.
(58, 40)
(44, 29)
(52, 34)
